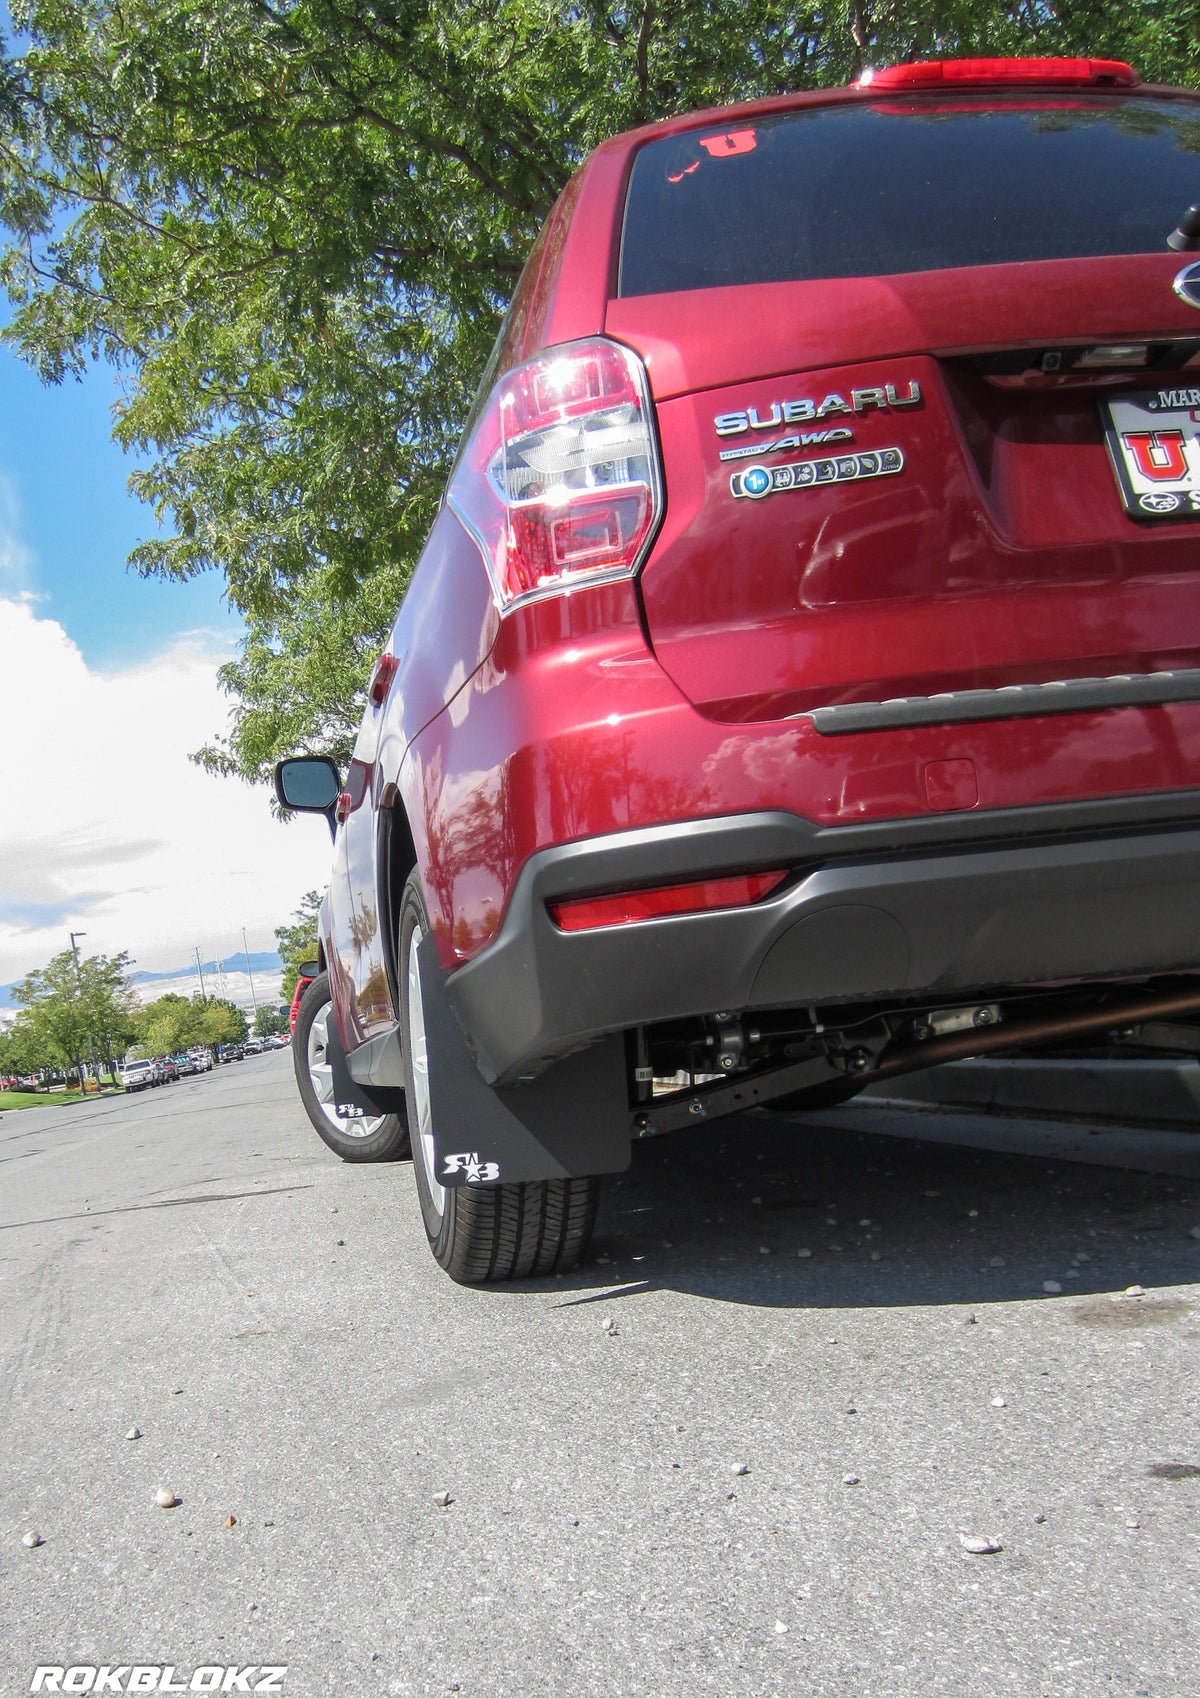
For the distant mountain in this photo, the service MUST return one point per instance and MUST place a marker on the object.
(265, 961)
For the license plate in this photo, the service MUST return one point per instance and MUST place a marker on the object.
(1154, 443)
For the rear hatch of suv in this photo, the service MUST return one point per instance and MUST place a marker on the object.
(929, 404)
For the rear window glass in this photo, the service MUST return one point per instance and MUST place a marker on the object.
(916, 185)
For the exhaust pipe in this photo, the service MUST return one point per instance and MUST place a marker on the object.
(965, 1045)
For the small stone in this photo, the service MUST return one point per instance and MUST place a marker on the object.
(756, 1202)
(33, 1539)
(1071, 1273)
(804, 1254)
(877, 1255)
(830, 1221)
(442, 1499)
(850, 1480)
(741, 1468)
(1040, 1518)
(609, 1326)
(1194, 1231)
(176, 1391)
(1082, 1256)
(1133, 1524)
(231, 1521)
(764, 1249)
(165, 1498)
(971, 1321)
(1051, 1286)
(978, 1544)
(933, 1193)
(341, 1243)
(1134, 1291)
(781, 1627)
(997, 1262)
(134, 1433)
(972, 1214)
(851, 1410)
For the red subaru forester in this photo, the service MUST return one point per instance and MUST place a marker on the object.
(801, 682)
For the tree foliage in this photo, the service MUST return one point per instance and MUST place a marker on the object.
(73, 1012)
(293, 225)
(298, 941)
(172, 1023)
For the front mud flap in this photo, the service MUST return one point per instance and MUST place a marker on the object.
(569, 1122)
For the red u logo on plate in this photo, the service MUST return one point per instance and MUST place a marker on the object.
(1158, 454)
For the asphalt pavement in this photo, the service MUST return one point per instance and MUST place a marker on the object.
(737, 1453)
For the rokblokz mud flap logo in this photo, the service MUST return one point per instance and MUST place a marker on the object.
(158, 1677)
(467, 1169)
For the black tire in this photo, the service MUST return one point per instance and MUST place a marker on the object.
(381, 1137)
(489, 1232)
(817, 1097)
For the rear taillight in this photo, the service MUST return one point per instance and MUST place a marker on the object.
(627, 907)
(987, 73)
(560, 483)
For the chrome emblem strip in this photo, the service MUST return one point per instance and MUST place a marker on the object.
(758, 481)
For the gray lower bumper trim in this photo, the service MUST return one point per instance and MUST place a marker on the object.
(898, 921)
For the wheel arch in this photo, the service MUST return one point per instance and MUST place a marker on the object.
(396, 856)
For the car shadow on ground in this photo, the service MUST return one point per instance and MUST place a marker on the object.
(808, 1212)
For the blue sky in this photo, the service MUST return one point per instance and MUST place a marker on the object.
(70, 511)
(107, 684)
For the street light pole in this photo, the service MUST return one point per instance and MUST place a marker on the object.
(200, 971)
(79, 988)
(246, 952)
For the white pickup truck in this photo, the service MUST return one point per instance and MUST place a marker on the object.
(136, 1075)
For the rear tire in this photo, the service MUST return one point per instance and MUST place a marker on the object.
(378, 1137)
(487, 1232)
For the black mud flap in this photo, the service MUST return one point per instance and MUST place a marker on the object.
(350, 1099)
(569, 1122)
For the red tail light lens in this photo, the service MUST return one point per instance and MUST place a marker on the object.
(382, 673)
(941, 73)
(628, 906)
(560, 483)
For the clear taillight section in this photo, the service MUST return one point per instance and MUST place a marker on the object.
(560, 483)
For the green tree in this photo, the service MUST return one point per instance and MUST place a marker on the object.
(224, 1023)
(73, 1012)
(298, 941)
(20, 1052)
(293, 226)
(268, 1022)
(172, 1023)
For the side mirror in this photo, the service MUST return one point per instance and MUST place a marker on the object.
(310, 969)
(310, 784)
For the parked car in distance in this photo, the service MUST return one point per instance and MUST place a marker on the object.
(201, 1060)
(801, 681)
(139, 1075)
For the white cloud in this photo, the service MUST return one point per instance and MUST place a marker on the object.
(15, 558)
(106, 827)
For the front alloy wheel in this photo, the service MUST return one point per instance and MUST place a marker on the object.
(363, 1137)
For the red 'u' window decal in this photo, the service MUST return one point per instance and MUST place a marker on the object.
(726, 146)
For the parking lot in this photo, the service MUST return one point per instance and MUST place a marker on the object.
(738, 1452)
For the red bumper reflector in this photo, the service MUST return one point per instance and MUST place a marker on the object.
(942, 73)
(628, 906)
